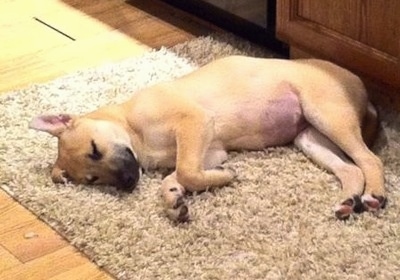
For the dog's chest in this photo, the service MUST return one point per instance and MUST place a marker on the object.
(159, 149)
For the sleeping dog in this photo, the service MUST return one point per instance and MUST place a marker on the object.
(233, 103)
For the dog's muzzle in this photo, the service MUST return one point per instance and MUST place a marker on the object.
(127, 172)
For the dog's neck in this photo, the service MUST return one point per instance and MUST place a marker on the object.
(109, 113)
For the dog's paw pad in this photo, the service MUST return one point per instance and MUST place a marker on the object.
(349, 206)
(183, 215)
(382, 200)
(179, 212)
(179, 202)
(373, 203)
(343, 211)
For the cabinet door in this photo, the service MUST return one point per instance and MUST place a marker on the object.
(362, 35)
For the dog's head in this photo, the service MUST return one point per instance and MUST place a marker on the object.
(91, 151)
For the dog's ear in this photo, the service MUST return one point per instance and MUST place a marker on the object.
(53, 124)
(58, 175)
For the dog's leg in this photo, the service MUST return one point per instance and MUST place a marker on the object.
(374, 197)
(325, 153)
(194, 136)
(374, 194)
(345, 132)
(351, 142)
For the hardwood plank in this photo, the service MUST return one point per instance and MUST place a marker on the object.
(12, 215)
(30, 249)
(152, 22)
(7, 260)
(163, 34)
(57, 61)
(33, 36)
(35, 53)
(4, 199)
(71, 21)
(110, 13)
(94, 7)
(32, 241)
(87, 271)
(13, 12)
(22, 234)
(48, 266)
(83, 53)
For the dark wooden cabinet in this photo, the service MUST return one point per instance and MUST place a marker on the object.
(362, 35)
(254, 20)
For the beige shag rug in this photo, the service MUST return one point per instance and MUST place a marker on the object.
(275, 222)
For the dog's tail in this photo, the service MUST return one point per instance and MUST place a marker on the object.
(370, 125)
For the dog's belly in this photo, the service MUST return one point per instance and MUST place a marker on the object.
(255, 125)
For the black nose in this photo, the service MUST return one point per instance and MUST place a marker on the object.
(128, 181)
(128, 169)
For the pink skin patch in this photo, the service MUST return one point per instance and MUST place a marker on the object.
(260, 122)
(62, 118)
(343, 211)
(283, 119)
(371, 204)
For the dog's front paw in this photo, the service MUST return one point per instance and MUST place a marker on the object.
(349, 206)
(179, 212)
(231, 172)
(373, 203)
(176, 206)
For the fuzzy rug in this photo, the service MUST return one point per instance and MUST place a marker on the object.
(274, 222)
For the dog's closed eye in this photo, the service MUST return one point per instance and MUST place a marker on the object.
(91, 179)
(96, 155)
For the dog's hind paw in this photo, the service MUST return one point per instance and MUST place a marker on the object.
(179, 212)
(349, 206)
(373, 203)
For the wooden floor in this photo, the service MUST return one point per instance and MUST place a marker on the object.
(90, 33)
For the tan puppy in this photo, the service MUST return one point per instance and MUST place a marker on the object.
(233, 103)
